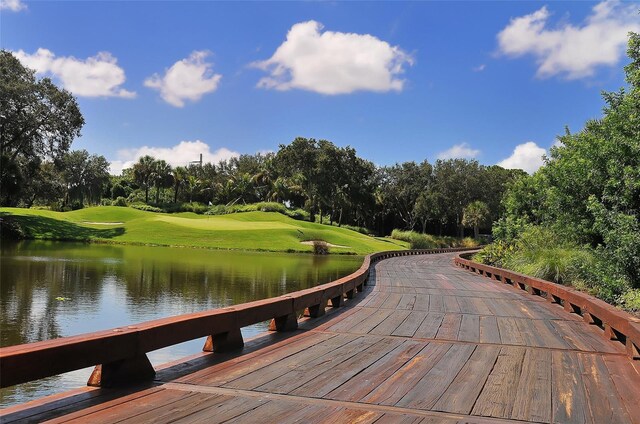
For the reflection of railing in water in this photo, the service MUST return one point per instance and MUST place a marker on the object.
(616, 325)
(120, 354)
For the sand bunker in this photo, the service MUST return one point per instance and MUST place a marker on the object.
(310, 243)
(102, 223)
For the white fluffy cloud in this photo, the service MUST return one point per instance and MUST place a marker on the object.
(12, 5)
(459, 151)
(187, 79)
(97, 76)
(572, 51)
(526, 156)
(333, 62)
(178, 155)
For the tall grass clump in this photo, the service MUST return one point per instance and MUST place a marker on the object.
(428, 241)
(540, 252)
(320, 247)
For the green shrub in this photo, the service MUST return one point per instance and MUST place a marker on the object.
(270, 207)
(194, 207)
(299, 214)
(10, 229)
(494, 254)
(428, 241)
(320, 247)
(631, 300)
(261, 206)
(119, 201)
(145, 207)
(544, 253)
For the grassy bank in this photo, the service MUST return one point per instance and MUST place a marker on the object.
(268, 231)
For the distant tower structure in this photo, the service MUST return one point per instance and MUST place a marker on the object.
(199, 162)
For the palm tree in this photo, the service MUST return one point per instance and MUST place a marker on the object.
(142, 171)
(193, 183)
(161, 176)
(179, 179)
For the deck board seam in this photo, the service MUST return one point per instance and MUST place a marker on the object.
(452, 341)
(338, 403)
(471, 313)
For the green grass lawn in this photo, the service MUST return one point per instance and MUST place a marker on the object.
(269, 231)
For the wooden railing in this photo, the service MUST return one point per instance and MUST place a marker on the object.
(616, 325)
(120, 356)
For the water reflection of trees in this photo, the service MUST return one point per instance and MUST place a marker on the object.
(220, 279)
(29, 290)
(154, 281)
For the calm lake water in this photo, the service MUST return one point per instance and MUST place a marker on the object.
(57, 289)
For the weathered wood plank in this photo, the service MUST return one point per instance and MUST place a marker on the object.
(363, 383)
(389, 325)
(429, 326)
(568, 397)
(498, 395)
(469, 329)
(426, 392)
(489, 332)
(605, 405)
(460, 396)
(410, 324)
(398, 384)
(533, 395)
(450, 327)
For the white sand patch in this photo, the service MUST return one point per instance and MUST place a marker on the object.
(102, 223)
(310, 243)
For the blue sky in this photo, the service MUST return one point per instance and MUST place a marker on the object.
(398, 81)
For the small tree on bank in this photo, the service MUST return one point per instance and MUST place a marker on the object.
(474, 215)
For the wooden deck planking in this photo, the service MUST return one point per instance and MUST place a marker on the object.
(427, 343)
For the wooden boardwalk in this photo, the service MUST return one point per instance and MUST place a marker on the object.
(426, 342)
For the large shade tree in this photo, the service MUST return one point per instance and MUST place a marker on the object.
(38, 121)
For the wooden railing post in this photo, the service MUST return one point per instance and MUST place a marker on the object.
(336, 302)
(224, 342)
(287, 322)
(315, 311)
(123, 372)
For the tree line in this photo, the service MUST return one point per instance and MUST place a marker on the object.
(577, 219)
(332, 184)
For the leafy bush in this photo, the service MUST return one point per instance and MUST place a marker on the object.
(320, 247)
(194, 207)
(494, 254)
(631, 300)
(10, 228)
(119, 201)
(298, 214)
(544, 253)
(428, 241)
(146, 208)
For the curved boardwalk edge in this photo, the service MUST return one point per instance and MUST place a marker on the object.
(427, 342)
(617, 325)
(119, 354)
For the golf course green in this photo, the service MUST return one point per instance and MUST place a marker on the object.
(262, 231)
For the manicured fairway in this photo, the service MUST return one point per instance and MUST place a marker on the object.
(268, 231)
